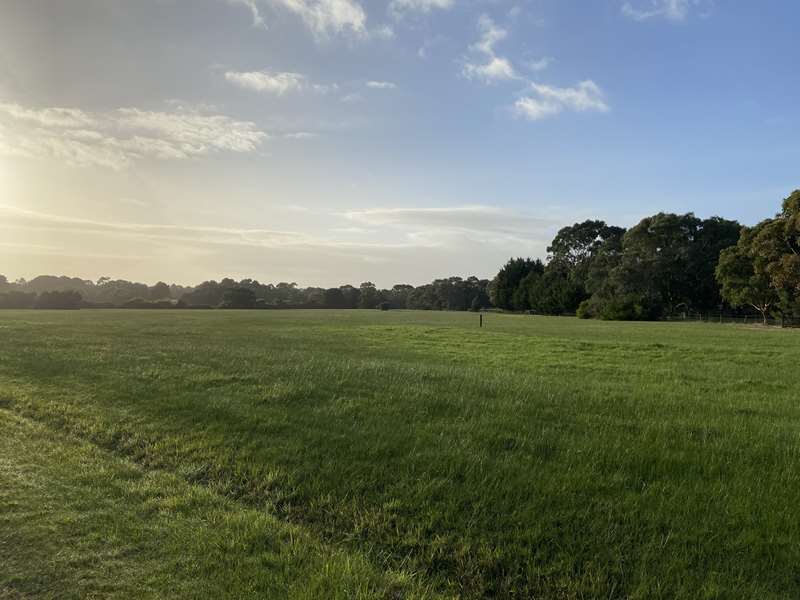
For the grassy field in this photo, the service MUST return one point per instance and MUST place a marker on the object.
(360, 454)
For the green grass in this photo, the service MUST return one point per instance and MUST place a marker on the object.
(395, 455)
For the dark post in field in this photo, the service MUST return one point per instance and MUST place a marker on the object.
(480, 319)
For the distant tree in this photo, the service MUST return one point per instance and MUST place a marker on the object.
(571, 261)
(553, 292)
(398, 295)
(370, 297)
(4, 285)
(743, 275)
(287, 293)
(657, 257)
(159, 291)
(780, 243)
(351, 296)
(763, 269)
(208, 293)
(605, 258)
(238, 297)
(67, 299)
(116, 291)
(334, 298)
(17, 299)
(314, 297)
(713, 236)
(506, 292)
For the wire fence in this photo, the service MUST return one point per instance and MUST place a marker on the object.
(719, 317)
(722, 318)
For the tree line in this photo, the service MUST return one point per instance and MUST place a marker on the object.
(452, 293)
(665, 265)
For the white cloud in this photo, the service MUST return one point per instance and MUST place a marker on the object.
(117, 138)
(402, 7)
(540, 64)
(546, 101)
(265, 81)
(300, 135)
(460, 218)
(491, 67)
(351, 98)
(382, 32)
(278, 83)
(49, 117)
(381, 85)
(258, 20)
(496, 69)
(674, 10)
(324, 17)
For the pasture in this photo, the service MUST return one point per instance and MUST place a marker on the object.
(400, 454)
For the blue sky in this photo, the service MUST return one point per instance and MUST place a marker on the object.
(338, 141)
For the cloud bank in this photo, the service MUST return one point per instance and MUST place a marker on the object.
(118, 138)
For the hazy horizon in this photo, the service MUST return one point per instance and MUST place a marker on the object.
(339, 141)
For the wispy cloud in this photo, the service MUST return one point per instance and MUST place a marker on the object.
(400, 8)
(539, 65)
(322, 17)
(416, 244)
(256, 237)
(545, 101)
(489, 67)
(300, 135)
(381, 85)
(674, 10)
(265, 81)
(457, 218)
(117, 138)
(258, 20)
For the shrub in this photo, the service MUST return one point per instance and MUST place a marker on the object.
(584, 310)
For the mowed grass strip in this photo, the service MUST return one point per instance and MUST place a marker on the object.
(543, 457)
(78, 522)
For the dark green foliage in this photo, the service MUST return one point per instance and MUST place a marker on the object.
(370, 297)
(238, 297)
(58, 300)
(506, 289)
(209, 292)
(160, 291)
(553, 292)
(17, 300)
(662, 266)
(743, 275)
(334, 298)
(763, 269)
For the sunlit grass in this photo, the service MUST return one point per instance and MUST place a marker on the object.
(543, 457)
